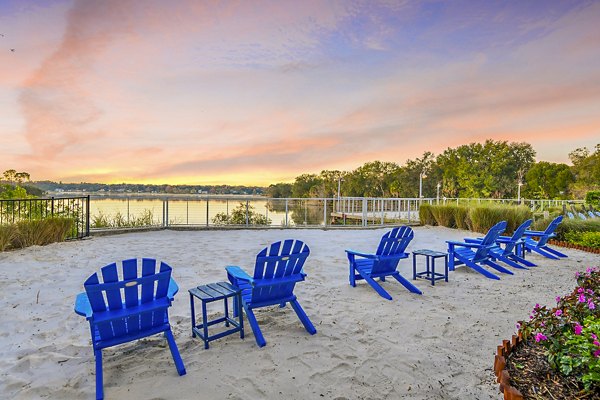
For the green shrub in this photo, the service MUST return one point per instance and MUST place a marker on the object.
(443, 215)
(593, 198)
(7, 236)
(587, 239)
(425, 215)
(101, 220)
(569, 225)
(238, 217)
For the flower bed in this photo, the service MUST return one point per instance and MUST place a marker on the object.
(559, 356)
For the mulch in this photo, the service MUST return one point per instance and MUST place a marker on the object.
(533, 376)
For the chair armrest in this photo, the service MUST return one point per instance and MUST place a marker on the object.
(533, 233)
(463, 244)
(238, 274)
(83, 306)
(365, 255)
(473, 240)
(173, 289)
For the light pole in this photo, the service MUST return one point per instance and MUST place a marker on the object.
(438, 192)
(519, 192)
(339, 192)
(421, 177)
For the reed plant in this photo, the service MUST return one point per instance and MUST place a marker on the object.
(425, 215)
(7, 236)
(482, 218)
(101, 220)
(42, 232)
(461, 217)
(444, 215)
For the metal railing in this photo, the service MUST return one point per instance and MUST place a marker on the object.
(13, 211)
(248, 211)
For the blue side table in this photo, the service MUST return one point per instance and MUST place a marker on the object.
(215, 292)
(430, 273)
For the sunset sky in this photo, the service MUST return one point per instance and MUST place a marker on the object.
(257, 92)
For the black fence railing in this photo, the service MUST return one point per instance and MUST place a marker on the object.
(76, 208)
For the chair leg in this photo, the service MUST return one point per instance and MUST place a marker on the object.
(99, 380)
(542, 252)
(555, 252)
(512, 263)
(310, 328)
(498, 267)
(522, 261)
(175, 352)
(260, 339)
(406, 283)
(481, 270)
(351, 276)
(377, 287)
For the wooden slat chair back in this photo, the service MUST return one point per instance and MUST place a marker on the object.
(516, 237)
(489, 240)
(121, 303)
(277, 269)
(392, 244)
(549, 232)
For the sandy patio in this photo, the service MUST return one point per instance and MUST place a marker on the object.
(436, 346)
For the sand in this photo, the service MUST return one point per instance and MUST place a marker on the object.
(436, 346)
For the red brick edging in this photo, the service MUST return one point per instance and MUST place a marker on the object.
(503, 378)
(574, 246)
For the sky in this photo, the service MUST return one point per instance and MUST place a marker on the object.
(258, 92)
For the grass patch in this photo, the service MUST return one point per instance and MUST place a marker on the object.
(35, 232)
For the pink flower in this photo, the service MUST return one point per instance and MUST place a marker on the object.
(540, 337)
(558, 313)
(594, 336)
(558, 299)
(597, 353)
(577, 274)
(588, 270)
(578, 328)
(580, 290)
(536, 307)
(518, 326)
(596, 343)
(591, 305)
(581, 298)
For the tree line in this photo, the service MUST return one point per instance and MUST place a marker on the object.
(493, 169)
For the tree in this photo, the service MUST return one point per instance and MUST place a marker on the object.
(545, 180)
(305, 185)
(586, 168)
(279, 190)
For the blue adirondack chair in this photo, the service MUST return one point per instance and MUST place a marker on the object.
(277, 270)
(142, 313)
(384, 262)
(509, 254)
(541, 245)
(475, 255)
